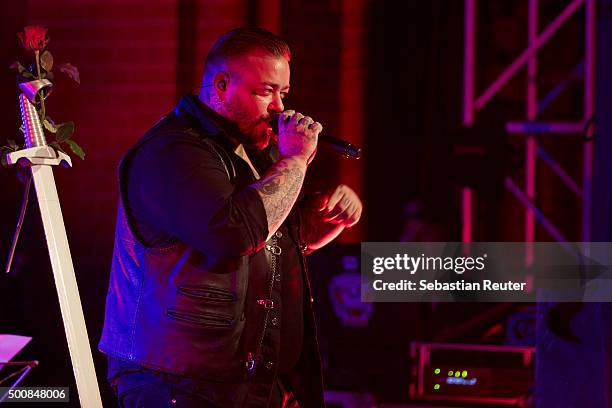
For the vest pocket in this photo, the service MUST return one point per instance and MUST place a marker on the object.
(208, 294)
(208, 320)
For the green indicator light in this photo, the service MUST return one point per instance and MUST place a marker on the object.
(450, 373)
(437, 387)
(457, 374)
(437, 371)
(464, 373)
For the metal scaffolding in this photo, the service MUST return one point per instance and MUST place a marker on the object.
(530, 128)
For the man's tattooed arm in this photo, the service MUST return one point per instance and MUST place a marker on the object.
(279, 188)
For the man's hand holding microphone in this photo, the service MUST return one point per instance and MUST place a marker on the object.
(298, 135)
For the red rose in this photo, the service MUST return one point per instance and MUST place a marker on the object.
(33, 38)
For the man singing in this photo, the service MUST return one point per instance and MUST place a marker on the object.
(209, 301)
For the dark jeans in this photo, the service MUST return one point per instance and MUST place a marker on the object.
(145, 389)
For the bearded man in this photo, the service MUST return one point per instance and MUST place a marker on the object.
(209, 301)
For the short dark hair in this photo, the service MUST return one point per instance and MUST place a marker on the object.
(240, 41)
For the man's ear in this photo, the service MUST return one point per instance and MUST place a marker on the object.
(220, 83)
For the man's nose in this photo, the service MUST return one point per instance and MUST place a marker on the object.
(276, 106)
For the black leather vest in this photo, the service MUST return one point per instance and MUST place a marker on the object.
(177, 310)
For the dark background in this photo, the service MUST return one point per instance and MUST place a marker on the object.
(383, 74)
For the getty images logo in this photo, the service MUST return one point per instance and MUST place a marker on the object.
(413, 264)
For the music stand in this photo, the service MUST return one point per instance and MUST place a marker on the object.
(10, 345)
(22, 372)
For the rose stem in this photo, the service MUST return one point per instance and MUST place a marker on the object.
(40, 93)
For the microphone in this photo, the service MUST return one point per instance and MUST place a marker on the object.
(330, 143)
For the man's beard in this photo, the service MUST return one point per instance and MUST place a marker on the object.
(255, 134)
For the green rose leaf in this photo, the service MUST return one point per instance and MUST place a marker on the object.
(46, 61)
(76, 149)
(64, 131)
(49, 125)
(17, 65)
(70, 70)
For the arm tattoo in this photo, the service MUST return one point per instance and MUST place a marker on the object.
(271, 186)
(279, 189)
